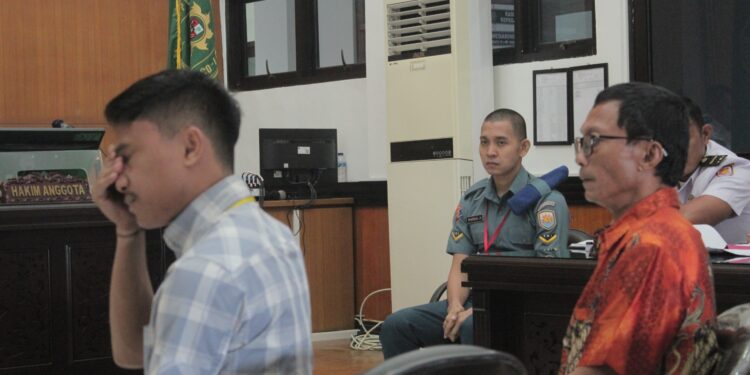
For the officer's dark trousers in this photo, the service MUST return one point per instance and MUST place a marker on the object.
(419, 326)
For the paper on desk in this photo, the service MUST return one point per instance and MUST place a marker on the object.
(739, 249)
(711, 238)
(738, 260)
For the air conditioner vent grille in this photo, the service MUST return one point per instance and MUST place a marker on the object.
(418, 28)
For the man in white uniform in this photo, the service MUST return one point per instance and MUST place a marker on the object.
(715, 188)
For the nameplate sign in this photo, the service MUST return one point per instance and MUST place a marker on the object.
(52, 186)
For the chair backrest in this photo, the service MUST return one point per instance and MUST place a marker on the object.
(733, 333)
(577, 235)
(437, 295)
(451, 359)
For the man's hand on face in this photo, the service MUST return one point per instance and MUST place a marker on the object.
(105, 196)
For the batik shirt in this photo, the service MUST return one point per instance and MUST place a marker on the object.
(236, 299)
(649, 305)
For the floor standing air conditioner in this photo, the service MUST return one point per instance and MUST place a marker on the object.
(439, 88)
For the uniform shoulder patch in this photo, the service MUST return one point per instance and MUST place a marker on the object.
(547, 238)
(548, 204)
(457, 215)
(727, 170)
(546, 219)
(712, 160)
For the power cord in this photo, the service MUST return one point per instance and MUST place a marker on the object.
(366, 340)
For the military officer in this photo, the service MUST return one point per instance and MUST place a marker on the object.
(484, 223)
(714, 189)
(541, 231)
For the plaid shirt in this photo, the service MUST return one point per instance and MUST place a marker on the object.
(236, 299)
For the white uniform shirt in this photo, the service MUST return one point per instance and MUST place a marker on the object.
(728, 181)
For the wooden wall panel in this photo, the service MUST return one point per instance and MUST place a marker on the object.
(327, 237)
(67, 58)
(372, 265)
(588, 218)
(327, 242)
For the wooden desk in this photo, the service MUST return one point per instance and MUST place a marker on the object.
(326, 235)
(55, 266)
(523, 305)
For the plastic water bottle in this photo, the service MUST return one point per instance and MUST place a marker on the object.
(341, 165)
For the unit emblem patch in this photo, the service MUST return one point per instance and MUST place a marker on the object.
(546, 219)
(727, 170)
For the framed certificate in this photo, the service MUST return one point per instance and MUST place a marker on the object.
(551, 125)
(562, 99)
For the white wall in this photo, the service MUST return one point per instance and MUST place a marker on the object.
(357, 107)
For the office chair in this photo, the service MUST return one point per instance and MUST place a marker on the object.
(577, 235)
(733, 333)
(449, 360)
(438, 293)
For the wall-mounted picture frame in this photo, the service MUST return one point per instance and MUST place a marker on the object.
(586, 82)
(551, 125)
(563, 98)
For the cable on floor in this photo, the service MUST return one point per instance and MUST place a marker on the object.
(366, 340)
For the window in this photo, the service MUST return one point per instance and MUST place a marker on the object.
(273, 43)
(531, 30)
(698, 49)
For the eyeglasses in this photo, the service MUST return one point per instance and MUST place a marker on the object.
(586, 143)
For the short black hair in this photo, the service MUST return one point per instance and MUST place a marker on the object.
(695, 115)
(515, 118)
(172, 98)
(649, 111)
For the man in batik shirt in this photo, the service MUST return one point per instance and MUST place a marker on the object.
(649, 306)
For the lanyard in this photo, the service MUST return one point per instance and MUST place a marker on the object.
(241, 202)
(487, 244)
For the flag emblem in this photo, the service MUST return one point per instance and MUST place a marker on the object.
(200, 28)
(192, 43)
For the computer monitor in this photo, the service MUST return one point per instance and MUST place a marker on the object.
(293, 159)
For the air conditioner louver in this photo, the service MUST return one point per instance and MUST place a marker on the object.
(418, 28)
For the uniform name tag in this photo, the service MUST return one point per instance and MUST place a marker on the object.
(474, 219)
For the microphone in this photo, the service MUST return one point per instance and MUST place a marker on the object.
(531, 193)
(60, 124)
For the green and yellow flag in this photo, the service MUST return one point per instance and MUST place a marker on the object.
(192, 44)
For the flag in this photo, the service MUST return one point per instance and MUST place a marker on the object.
(192, 44)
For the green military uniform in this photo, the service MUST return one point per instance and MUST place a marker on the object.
(540, 231)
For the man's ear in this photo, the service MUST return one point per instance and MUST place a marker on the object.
(707, 130)
(653, 155)
(524, 147)
(194, 144)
